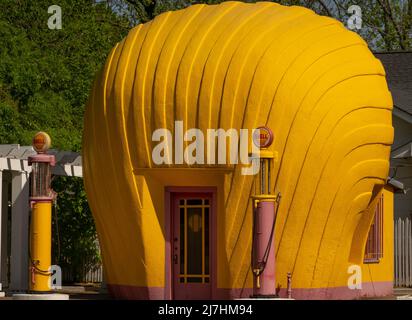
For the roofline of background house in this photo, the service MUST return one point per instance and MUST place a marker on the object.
(404, 115)
(391, 52)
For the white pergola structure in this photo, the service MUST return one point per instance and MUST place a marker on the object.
(15, 207)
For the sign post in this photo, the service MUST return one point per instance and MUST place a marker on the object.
(265, 204)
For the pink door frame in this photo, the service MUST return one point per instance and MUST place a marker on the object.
(169, 191)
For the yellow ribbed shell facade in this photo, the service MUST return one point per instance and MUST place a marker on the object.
(235, 65)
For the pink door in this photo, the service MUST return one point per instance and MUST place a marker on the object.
(191, 236)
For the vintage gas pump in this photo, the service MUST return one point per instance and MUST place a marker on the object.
(41, 199)
(265, 205)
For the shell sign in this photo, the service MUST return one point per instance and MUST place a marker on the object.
(263, 137)
(41, 142)
(323, 95)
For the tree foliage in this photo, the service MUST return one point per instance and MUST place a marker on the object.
(75, 240)
(45, 75)
(386, 23)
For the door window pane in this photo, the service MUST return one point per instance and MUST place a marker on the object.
(194, 240)
(194, 202)
(206, 240)
(182, 240)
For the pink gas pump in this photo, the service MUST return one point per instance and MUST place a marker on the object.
(265, 206)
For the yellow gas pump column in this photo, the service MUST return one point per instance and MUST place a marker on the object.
(41, 198)
(265, 204)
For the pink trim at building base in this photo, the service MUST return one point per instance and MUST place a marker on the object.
(136, 293)
(369, 289)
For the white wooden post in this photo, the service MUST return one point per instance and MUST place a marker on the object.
(19, 273)
(4, 238)
(4, 192)
(1, 229)
(410, 251)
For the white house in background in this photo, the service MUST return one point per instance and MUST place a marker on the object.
(398, 66)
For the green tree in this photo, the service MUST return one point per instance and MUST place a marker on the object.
(48, 73)
(74, 237)
(386, 23)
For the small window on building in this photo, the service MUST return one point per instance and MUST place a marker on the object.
(374, 244)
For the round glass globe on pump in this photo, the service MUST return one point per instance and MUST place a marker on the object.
(41, 142)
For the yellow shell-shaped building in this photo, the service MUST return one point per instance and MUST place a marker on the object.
(314, 83)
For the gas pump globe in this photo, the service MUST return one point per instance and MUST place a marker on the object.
(41, 198)
(265, 205)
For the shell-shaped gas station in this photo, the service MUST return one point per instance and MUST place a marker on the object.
(180, 231)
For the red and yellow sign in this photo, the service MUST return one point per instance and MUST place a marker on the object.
(41, 142)
(262, 137)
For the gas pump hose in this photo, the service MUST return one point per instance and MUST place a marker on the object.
(262, 265)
